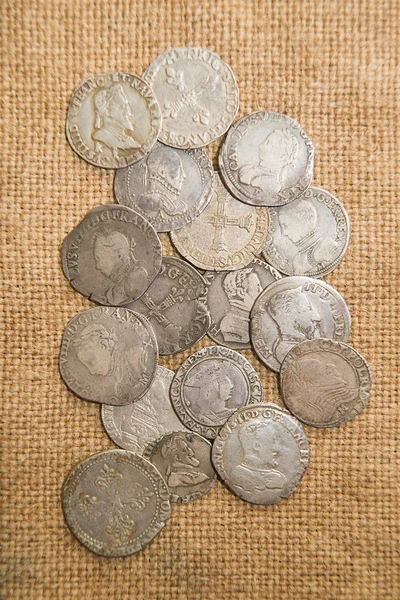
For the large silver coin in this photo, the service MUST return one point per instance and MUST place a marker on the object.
(309, 236)
(325, 383)
(113, 120)
(230, 298)
(226, 236)
(197, 93)
(184, 461)
(175, 305)
(267, 159)
(135, 426)
(261, 454)
(210, 386)
(294, 309)
(169, 187)
(108, 355)
(115, 502)
(112, 256)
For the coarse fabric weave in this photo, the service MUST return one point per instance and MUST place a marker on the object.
(334, 67)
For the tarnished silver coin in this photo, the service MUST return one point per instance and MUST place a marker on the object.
(184, 461)
(197, 93)
(109, 355)
(230, 298)
(294, 309)
(175, 306)
(325, 383)
(226, 236)
(309, 236)
(267, 159)
(261, 454)
(169, 187)
(135, 426)
(210, 386)
(113, 120)
(115, 503)
(112, 256)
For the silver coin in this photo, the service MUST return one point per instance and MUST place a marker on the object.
(169, 187)
(267, 159)
(210, 386)
(115, 503)
(197, 93)
(309, 236)
(226, 236)
(230, 298)
(108, 355)
(112, 256)
(135, 426)
(261, 454)
(294, 309)
(113, 120)
(175, 306)
(184, 461)
(325, 383)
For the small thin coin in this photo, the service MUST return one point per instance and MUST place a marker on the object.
(210, 386)
(261, 454)
(115, 503)
(267, 159)
(325, 383)
(109, 355)
(184, 461)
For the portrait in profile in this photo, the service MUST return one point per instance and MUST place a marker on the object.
(241, 289)
(181, 463)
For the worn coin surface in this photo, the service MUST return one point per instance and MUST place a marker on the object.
(210, 386)
(230, 298)
(309, 236)
(115, 502)
(175, 306)
(226, 236)
(325, 383)
(267, 159)
(294, 309)
(197, 93)
(112, 256)
(108, 355)
(169, 187)
(113, 120)
(135, 426)
(184, 461)
(261, 454)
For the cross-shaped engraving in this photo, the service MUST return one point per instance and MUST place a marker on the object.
(188, 97)
(220, 220)
(176, 295)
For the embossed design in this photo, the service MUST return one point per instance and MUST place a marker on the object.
(189, 96)
(181, 463)
(106, 475)
(172, 330)
(221, 221)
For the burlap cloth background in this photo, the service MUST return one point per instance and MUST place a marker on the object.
(333, 66)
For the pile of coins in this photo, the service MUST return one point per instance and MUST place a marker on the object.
(177, 431)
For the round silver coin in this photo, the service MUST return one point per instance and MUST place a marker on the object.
(197, 93)
(210, 386)
(115, 503)
(226, 236)
(112, 256)
(169, 187)
(325, 383)
(294, 309)
(113, 120)
(230, 298)
(108, 355)
(175, 306)
(261, 454)
(309, 236)
(135, 426)
(267, 159)
(184, 461)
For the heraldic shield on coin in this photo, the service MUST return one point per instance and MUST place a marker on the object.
(112, 256)
(115, 503)
(261, 454)
(108, 355)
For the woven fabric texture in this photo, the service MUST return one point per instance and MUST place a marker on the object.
(333, 65)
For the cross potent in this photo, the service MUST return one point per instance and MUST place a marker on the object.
(221, 221)
(157, 311)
